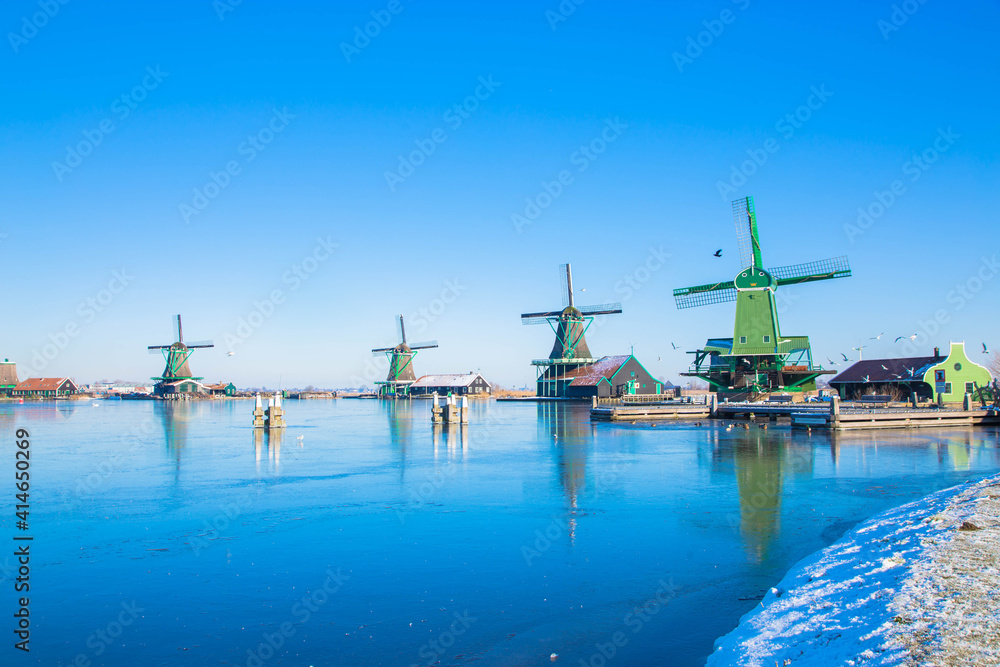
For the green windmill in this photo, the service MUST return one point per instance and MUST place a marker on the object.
(758, 358)
(401, 376)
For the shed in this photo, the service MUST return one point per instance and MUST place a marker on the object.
(608, 376)
(459, 384)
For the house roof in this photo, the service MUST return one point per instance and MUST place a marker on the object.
(602, 369)
(42, 384)
(886, 370)
(447, 380)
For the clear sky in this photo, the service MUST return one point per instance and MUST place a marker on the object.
(229, 158)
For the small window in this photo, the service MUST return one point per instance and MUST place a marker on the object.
(958, 367)
(743, 340)
(969, 387)
(947, 388)
(767, 339)
(633, 373)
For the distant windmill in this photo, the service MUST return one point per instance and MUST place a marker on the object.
(176, 355)
(397, 382)
(570, 325)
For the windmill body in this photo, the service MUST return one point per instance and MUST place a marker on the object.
(177, 378)
(401, 376)
(570, 350)
(758, 358)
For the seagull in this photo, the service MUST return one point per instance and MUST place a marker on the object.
(718, 253)
(865, 378)
(884, 368)
(672, 344)
(986, 350)
(659, 358)
(844, 356)
(898, 338)
(913, 337)
(230, 354)
(911, 372)
(878, 337)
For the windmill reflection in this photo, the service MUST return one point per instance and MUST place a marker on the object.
(567, 427)
(763, 461)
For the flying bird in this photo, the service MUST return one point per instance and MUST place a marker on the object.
(659, 358)
(884, 368)
(230, 354)
(865, 378)
(878, 337)
(898, 338)
(674, 346)
(844, 356)
(986, 350)
(718, 253)
(913, 337)
(911, 371)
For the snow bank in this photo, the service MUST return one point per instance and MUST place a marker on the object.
(904, 585)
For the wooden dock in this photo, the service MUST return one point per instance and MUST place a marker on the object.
(615, 409)
(835, 416)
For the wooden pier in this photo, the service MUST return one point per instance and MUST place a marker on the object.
(835, 415)
(624, 409)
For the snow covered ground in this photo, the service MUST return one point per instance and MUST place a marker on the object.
(917, 585)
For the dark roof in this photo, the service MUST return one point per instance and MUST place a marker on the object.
(591, 374)
(898, 370)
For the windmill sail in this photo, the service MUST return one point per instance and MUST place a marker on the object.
(746, 232)
(824, 269)
(703, 295)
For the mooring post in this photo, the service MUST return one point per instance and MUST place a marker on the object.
(967, 402)
(713, 405)
(465, 410)
(834, 409)
(593, 402)
(940, 400)
(913, 399)
(435, 410)
(258, 414)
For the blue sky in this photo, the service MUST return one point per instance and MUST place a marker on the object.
(170, 101)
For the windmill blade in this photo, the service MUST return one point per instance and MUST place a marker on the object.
(565, 293)
(382, 350)
(178, 331)
(746, 232)
(155, 349)
(602, 309)
(824, 269)
(425, 345)
(400, 330)
(538, 318)
(703, 295)
(199, 343)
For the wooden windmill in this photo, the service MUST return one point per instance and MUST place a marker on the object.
(570, 325)
(176, 355)
(401, 376)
